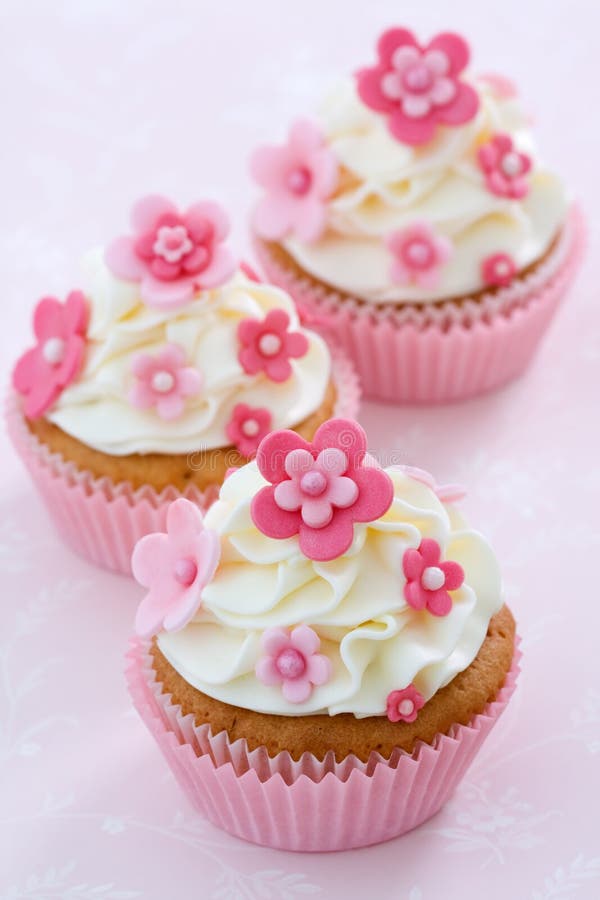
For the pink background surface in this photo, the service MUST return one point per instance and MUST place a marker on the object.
(103, 101)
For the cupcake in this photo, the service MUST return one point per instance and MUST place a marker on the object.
(167, 369)
(321, 656)
(417, 220)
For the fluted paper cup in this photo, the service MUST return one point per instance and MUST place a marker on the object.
(446, 351)
(308, 804)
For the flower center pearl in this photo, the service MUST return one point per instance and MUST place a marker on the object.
(502, 268)
(511, 164)
(290, 663)
(406, 707)
(419, 254)
(299, 180)
(185, 571)
(172, 242)
(250, 428)
(313, 484)
(163, 382)
(53, 351)
(418, 78)
(269, 344)
(433, 579)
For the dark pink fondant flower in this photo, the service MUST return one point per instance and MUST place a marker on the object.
(43, 372)
(428, 580)
(404, 705)
(498, 270)
(419, 254)
(268, 345)
(247, 427)
(319, 490)
(172, 254)
(505, 168)
(298, 177)
(175, 567)
(164, 381)
(292, 660)
(417, 87)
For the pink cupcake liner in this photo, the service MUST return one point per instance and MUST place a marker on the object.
(307, 805)
(102, 521)
(445, 351)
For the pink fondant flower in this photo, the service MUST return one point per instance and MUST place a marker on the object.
(447, 493)
(428, 580)
(419, 254)
(417, 87)
(500, 85)
(247, 427)
(172, 254)
(498, 270)
(404, 705)
(293, 661)
(268, 346)
(164, 381)
(299, 177)
(175, 567)
(319, 490)
(504, 167)
(42, 372)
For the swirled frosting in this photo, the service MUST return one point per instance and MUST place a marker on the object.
(95, 407)
(375, 641)
(387, 185)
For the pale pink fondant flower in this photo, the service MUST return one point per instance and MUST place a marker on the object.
(498, 270)
(447, 493)
(404, 705)
(268, 345)
(319, 490)
(175, 567)
(299, 177)
(419, 254)
(247, 427)
(172, 254)
(417, 87)
(428, 580)
(42, 373)
(500, 85)
(164, 381)
(293, 661)
(504, 167)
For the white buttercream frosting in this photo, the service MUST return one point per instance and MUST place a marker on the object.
(95, 408)
(376, 642)
(388, 185)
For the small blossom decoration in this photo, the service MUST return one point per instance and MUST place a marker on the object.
(404, 705)
(42, 373)
(247, 427)
(164, 382)
(428, 580)
(505, 168)
(446, 493)
(298, 177)
(171, 254)
(419, 88)
(319, 490)
(292, 660)
(498, 270)
(419, 255)
(267, 345)
(175, 567)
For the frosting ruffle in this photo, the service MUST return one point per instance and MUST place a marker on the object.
(95, 408)
(375, 641)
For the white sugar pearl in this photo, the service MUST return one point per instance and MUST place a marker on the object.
(433, 578)
(53, 351)
(163, 382)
